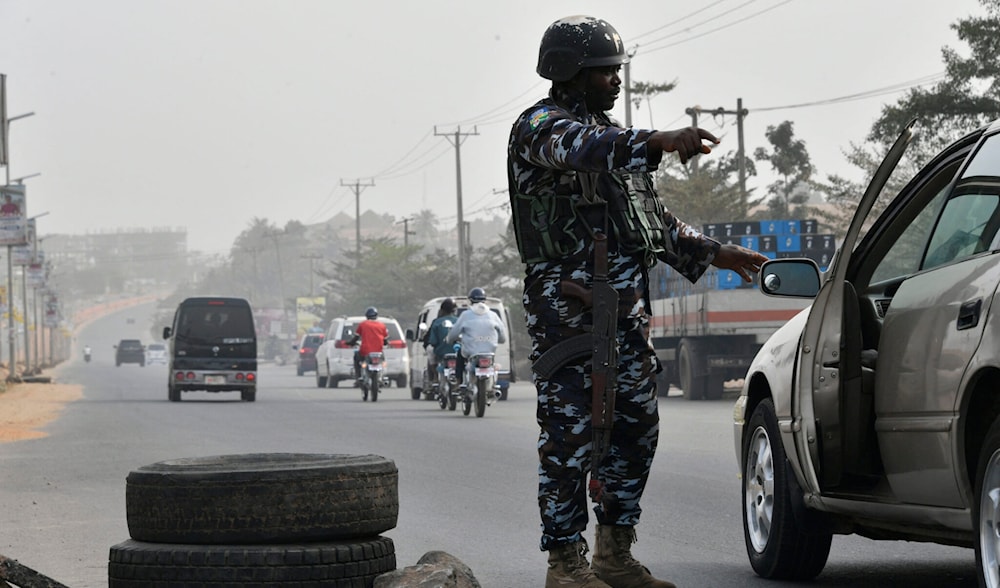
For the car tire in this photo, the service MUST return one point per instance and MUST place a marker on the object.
(689, 359)
(173, 393)
(248, 395)
(299, 371)
(986, 507)
(401, 381)
(784, 540)
(504, 388)
(138, 564)
(262, 498)
(321, 381)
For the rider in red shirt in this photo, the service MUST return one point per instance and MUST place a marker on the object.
(373, 335)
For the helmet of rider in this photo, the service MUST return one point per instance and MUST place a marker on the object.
(447, 306)
(371, 313)
(477, 295)
(577, 42)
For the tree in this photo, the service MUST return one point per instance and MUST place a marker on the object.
(646, 91)
(966, 98)
(710, 195)
(790, 159)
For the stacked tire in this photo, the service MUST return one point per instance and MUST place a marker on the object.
(254, 520)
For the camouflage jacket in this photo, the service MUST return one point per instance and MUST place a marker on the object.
(549, 144)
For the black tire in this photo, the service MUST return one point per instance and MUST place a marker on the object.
(715, 385)
(262, 498)
(248, 394)
(794, 543)
(331, 382)
(376, 384)
(987, 490)
(173, 394)
(503, 390)
(691, 370)
(321, 381)
(137, 564)
(481, 390)
(442, 397)
(299, 371)
(401, 381)
(415, 393)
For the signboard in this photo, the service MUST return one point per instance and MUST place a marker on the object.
(309, 312)
(3, 120)
(36, 275)
(24, 254)
(13, 217)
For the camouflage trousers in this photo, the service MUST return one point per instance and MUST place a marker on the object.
(565, 442)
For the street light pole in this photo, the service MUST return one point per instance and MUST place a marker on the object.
(12, 366)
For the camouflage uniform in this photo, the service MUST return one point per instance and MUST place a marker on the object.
(549, 144)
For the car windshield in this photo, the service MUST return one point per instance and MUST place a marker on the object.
(211, 322)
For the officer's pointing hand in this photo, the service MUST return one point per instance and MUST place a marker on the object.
(687, 142)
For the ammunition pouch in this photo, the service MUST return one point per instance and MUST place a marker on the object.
(557, 227)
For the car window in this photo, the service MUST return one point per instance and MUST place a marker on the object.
(971, 218)
(391, 327)
(312, 341)
(205, 322)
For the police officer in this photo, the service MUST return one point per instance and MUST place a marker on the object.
(575, 175)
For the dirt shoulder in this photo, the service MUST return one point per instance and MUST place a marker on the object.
(25, 408)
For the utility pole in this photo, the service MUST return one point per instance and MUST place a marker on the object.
(406, 231)
(627, 69)
(456, 139)
(356, 187)
(740, 114)
(311, 257)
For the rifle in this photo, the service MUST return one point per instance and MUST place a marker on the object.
(604, 367)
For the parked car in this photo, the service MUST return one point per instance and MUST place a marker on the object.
(156, 353)
(305, 360)
(130, 351)
(419, 383)
(335, 356)
(875, 410)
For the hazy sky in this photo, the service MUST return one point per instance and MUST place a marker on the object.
(208, 113)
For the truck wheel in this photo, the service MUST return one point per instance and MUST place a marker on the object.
(986, 507)
(262, 498)
(135, 564)
(689, 366)
(784, 540)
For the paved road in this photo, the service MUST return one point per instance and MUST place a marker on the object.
(467, 485)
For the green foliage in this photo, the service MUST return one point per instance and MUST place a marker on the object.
(790, 160)
(712, 194)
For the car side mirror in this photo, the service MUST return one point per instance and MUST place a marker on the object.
(793, 277)
(166, 332)
(409, 335)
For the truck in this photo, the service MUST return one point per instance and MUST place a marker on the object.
(707, 333)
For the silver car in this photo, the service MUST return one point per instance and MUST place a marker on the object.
(876, 410)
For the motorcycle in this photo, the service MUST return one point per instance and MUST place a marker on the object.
(372, 367)
(447, 386)
(482, 388)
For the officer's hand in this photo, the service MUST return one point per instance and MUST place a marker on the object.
(739, 259)
(687, 142)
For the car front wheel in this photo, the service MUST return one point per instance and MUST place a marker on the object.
(987, 510)
(784, 541)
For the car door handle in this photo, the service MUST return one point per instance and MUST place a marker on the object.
(968, 314)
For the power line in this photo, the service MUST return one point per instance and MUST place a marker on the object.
(862, 95)
(716, 29)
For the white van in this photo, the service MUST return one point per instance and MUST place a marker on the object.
(418, 355)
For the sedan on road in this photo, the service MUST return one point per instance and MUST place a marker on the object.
(876, 411)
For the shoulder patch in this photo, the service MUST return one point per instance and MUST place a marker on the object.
(538, 117)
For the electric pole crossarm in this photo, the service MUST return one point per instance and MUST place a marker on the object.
(740, 113)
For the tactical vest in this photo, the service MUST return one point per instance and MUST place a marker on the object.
(558, 227)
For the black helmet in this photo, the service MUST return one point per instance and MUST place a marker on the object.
(477, 295)
(371, 312)
(447, 306)
(575, 42)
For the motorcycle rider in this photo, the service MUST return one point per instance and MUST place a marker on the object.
(436, 344)
(86, 352)
(479, 329)
(373, 335)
